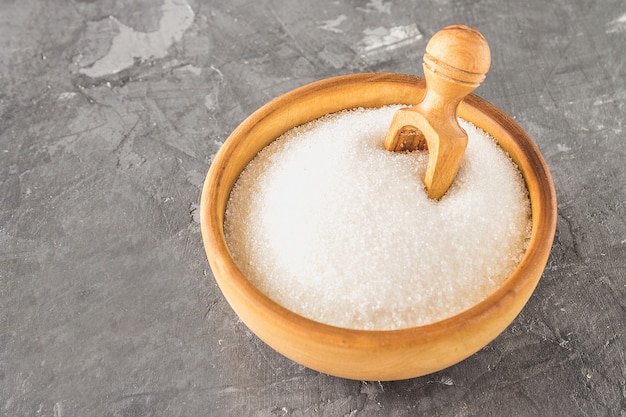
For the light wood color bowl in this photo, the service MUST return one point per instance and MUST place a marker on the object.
(364, 354)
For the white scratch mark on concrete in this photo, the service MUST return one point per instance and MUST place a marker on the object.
(618, 25)
(218, 72)
(446, 380)
(66, 95)
(333, 24)
(210, 102)
(563, 147)
(194, 211)
(194, 178)
(129, 45)
(380, 39)
(192, 69)
(377, 6)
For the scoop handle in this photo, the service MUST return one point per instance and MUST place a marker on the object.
(455, 63)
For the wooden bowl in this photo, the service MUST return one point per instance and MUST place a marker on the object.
(364, 354)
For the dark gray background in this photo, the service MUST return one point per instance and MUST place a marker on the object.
(108, 306)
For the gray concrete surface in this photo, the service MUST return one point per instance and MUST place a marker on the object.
(110, 114)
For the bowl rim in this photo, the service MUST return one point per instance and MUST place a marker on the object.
(543, 208)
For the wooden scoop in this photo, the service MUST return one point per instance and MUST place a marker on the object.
(455, 63)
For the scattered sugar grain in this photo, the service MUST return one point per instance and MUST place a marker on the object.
(329, 224)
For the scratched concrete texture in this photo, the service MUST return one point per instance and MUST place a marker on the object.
(110, 114)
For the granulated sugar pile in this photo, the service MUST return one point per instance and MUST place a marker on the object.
(332, 226)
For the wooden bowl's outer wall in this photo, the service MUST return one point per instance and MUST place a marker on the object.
(360, 354)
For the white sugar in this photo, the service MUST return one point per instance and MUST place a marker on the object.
(332, 226)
